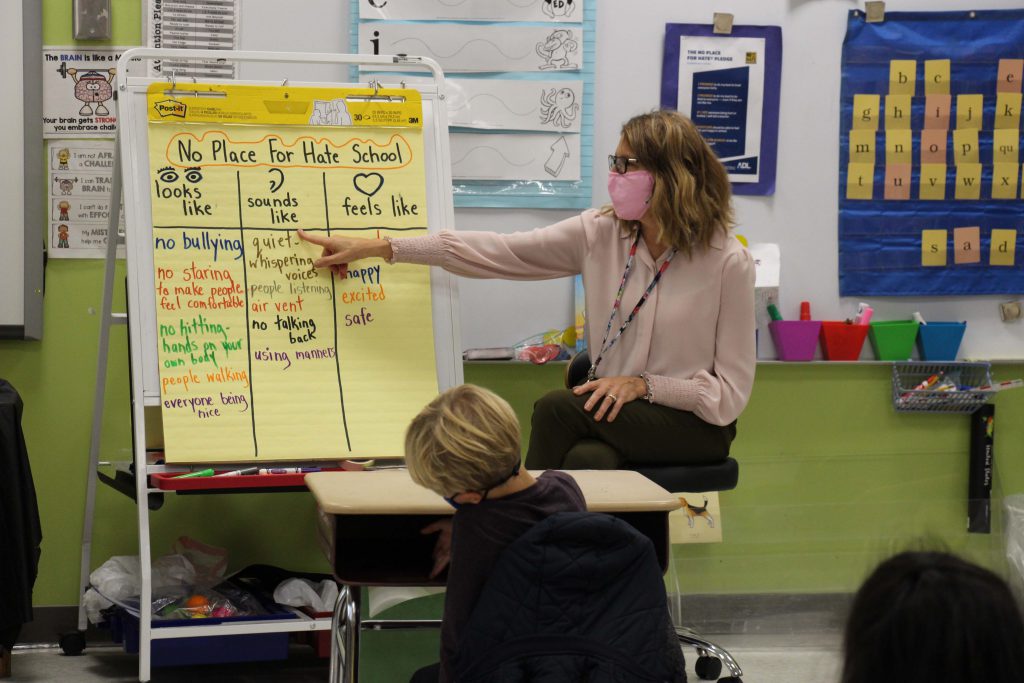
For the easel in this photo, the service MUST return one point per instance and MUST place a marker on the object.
(133, 478)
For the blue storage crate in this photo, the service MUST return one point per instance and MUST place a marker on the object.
(226, 649)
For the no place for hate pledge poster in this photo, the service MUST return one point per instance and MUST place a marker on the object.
(262, 356)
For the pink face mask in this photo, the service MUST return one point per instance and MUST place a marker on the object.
(631, 193)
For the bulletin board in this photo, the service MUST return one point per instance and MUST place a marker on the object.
(930, 183)
(250, 351)
(520, 84)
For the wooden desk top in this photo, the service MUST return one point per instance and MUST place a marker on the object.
(392, 492)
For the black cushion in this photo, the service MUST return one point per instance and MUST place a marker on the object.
(694, 478)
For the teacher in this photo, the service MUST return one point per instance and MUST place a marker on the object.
(669, 303)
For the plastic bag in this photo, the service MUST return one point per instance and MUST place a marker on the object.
(118, 579)
(203, 604)
(547, 346)
(1013, 507)
(210, 562)
(304, 593)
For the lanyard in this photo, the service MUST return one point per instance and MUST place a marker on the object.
(605, 345)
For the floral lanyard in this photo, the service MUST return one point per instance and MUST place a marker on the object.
(605, 345)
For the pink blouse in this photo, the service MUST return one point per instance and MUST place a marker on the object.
(694, 336)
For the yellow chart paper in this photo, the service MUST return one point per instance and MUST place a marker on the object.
(262, 356)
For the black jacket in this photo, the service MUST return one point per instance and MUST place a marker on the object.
(579, 597)
(20, 533)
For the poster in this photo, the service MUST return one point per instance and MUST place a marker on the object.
(699, 520)
(729, 87)
(262, 355)
(78, 92)
(929, 154)
(518, 69)
(80, 174)
(192, 25)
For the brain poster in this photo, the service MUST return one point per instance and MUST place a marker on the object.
(262, 355)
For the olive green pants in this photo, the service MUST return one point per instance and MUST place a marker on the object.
(565, 436)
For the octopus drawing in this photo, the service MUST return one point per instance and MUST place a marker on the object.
(559, 107)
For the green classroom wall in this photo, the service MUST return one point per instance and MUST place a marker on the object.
(831, 478)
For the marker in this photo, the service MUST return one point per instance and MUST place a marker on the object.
(238, 473)
(208, 472)
(864, 316)
(773, 312)
(287, 470)
(928, 382)
(805, 310)
(919, 318)
(1002, 386)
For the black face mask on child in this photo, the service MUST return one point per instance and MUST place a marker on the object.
(451, 501)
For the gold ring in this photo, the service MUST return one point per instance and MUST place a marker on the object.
(612, 397)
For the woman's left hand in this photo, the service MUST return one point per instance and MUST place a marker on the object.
(610, 394)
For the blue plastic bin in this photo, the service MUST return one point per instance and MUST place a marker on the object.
(228, 649)
(940, 341)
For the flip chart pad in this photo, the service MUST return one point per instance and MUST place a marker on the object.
(263, 356)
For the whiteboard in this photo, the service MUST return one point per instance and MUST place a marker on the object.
(21, 186)
(132, 110)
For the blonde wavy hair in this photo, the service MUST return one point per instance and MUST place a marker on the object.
(466, 439)
(692, 198)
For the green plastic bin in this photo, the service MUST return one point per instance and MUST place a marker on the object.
(893, 339)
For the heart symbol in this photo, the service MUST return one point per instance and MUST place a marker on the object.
(368, 183)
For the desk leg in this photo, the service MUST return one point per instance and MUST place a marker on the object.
(352, 626)
(345, 636)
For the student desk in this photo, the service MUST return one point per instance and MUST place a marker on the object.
(370, 530)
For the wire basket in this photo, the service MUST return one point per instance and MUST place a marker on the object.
(911, 382)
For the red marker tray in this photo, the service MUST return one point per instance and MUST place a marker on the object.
(170, 482)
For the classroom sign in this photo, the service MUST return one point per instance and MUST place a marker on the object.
(929, 161)
(262, 356)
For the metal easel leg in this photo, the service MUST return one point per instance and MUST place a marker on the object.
(106, 320)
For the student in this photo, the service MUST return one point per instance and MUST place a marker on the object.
(669, 303)
(923, 617)
(464, 446)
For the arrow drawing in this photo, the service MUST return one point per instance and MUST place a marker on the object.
(559, 153)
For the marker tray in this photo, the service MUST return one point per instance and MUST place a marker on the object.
(940, 341)
(907, 399)
(841, 340)
(168, 481)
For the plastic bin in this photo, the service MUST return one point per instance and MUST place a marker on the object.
(226, 649)
(940, 341)
(795, 340)
(893, 339)
(841, 340)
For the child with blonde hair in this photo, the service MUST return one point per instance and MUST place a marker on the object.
(464, 446)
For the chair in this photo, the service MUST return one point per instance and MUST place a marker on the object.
(690, 478)
(579, 596)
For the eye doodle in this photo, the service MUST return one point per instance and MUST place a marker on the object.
(193, 174)
(167, 174)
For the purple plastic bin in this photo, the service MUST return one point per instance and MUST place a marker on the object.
(795, 340)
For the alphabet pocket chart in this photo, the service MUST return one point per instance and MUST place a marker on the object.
(262, 355)
(929, 154)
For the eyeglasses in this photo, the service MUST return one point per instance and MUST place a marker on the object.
(620, 164)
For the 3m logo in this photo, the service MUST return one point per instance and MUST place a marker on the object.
(171, 108)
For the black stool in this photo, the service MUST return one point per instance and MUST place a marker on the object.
(721, 476)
